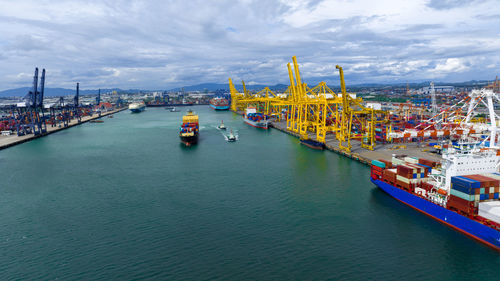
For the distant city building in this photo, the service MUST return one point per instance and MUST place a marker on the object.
(439, 89)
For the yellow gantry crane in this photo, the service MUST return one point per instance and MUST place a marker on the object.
(315, 112)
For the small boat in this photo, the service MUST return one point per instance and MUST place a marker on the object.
(312, 143)
(222, 126)
(169, 107)
(96, 121)
(110, 116)
(231, 137)
(173, 109)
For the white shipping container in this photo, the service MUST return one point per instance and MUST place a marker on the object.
(403, 179)
(490, 216)
(411, 160)
(493, 206)
(397, 162)
(497, 177)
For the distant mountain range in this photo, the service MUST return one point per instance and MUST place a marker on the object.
(50, 92)
(210, 87)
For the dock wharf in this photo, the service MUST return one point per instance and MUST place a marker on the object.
(362, 155)
(9, 141)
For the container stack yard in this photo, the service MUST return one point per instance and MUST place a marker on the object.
(32, 118)
(366, 130)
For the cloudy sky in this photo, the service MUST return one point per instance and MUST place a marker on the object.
(165, 44)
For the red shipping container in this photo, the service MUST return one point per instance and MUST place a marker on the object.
(482, 182)
(491, 181)
(388, 164)
(460, 204)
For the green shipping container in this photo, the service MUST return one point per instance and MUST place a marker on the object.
(378, 163)
(462, 195)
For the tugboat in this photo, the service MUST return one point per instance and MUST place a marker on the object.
(231, 137)
(254, 119)
(189, 129)
(312, 143)
(222, 126)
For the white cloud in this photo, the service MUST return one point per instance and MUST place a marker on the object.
(451, 65)
(166, 44)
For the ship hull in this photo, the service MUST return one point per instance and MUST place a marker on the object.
(137, 110)
(313, 144)
(260, 125)
(219, 107)
(188, 141)
(474, 229)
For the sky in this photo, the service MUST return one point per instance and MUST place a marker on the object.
(166, 44)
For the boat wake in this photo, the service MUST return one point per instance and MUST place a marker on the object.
(226, 136)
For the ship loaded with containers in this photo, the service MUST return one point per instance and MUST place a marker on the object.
(462, 191)
(255, 119)
(219, 103)
(189, 129)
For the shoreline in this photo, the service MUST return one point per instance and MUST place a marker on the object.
(12, 140)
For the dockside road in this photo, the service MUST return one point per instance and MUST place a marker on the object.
(381, 151)
(8, 141)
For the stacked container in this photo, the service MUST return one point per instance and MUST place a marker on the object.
(380, 133)
(389, 176)
(377, 169)
(489, 186)
(408, 175)
(430, 163)
(463, 195)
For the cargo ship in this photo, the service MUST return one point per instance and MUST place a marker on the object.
(254, 119)
(462, 191)
(219, 103)
(137, 107)
(312, 143)
(189, 129)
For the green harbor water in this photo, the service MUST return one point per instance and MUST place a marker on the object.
(125, 200)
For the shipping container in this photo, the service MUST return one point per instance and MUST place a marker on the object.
(412, 160)
(490, 210)
(465, 196)
(459, 204)
(378, 163)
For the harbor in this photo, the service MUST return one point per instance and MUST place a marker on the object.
(250, 140)
(129, 187)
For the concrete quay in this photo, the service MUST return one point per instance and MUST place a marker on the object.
(8, 141)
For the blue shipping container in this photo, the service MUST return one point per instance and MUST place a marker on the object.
(466, 182)
(463, 189)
